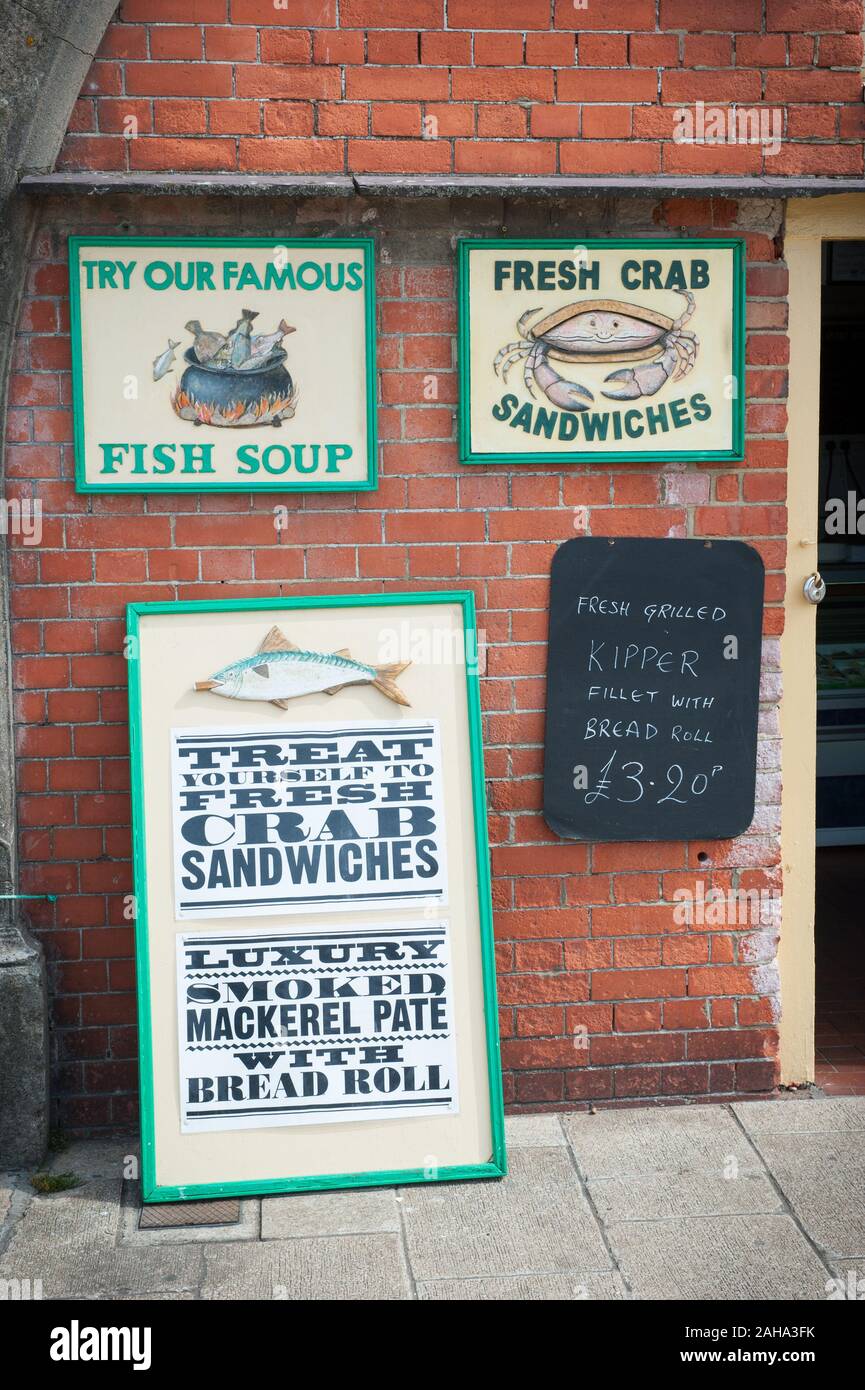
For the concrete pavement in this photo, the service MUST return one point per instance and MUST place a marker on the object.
(757, 1200)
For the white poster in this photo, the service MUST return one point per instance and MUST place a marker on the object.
(323, 818)
(311, 1027)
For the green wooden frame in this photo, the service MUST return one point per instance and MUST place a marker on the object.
(365, 247)
(736, 454)
(496, 1166)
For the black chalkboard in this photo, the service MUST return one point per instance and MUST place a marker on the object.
(652, 689)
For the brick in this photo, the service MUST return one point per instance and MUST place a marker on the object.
(606, 122)
(836, 51)
(176, 41)
(604, 15)
(321, 13)
(299, 155)
(638, 984)
(559, 120)
(286, 46)
(502, 84)
(153, 12)
(761, 50)
(818, 86)
(234, 117)
(231, 44)
(501, 121)
(814, 15)
(557, 50)
(178, 79)
(497, 49)
(655, 50)
(495, 14)
(396, 84)
(610, 157)
(392, 47)
(603, 50)
(287, 117)
(395, 118)
(733, 15)
(179, 117)
(631, 85)
(123, 41)
(398, 156)
(343, 118)
(294, 81)
(517, 157)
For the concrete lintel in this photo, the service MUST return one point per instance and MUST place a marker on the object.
(244, 185)
(435, 186)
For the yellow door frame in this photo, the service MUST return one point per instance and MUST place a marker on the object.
(809, 222)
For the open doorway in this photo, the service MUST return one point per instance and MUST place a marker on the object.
(840, 870)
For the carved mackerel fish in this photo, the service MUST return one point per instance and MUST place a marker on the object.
(280, 671)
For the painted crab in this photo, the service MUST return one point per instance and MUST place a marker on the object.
(602, 330)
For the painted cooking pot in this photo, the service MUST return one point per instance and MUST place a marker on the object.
(224, 396)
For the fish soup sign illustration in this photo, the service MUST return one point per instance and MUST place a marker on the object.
(223, 365)
(613, 349)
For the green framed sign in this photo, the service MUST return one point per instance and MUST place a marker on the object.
(314, 944)
(223, 364)
(612, 350)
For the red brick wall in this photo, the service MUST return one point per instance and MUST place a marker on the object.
(499, 87)
(586, 936)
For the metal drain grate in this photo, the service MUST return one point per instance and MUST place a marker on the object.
(225, 1212)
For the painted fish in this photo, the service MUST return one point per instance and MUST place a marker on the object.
(165, 361)
(262, 345)
(206, 345)
(239, 338)
(280, 672)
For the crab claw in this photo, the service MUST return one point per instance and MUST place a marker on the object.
(567, 395)
(633, 382)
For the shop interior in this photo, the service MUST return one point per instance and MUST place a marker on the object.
(840, 916)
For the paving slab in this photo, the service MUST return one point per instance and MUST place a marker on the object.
(824, 1182)
(526, 1288)
(336, 1268)
(665, 1139)
(329, 1214)
(91, 1271)
(80, 1219)
(68, 1239)
(96, 1158)
(718, 1257)
(533, 1132)
(662, 1195)
(801, 1116)
(536, 1220)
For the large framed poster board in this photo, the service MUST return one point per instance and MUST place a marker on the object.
(223, 364)
(616, 350)
(316, 979)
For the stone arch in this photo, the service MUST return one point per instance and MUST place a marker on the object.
(45, 52)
